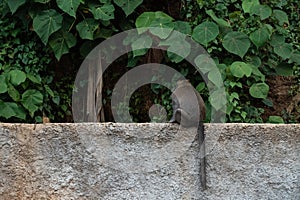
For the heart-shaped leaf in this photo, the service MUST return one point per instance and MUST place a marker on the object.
(179, 50)
(263, 11)
(128, 6)
(240, 69)
(259, 90)
(47, 22)
(205, 32)
(14, 4)
(218, 99)
(69, 7)
(105, 12)
(17, 77)
(87, 27)
(6, 110)
(145, 19)
(248, 4)
(161, 28)
(236, 43)
(61, 42)
(183, 27)
(283, 50)
(141, 45)
(295, 57)
(204, 63)
(260, 36)
(281, 16)
(284, 69)
(277, 39)
(215, 77)
(32, 100)
(10, 109)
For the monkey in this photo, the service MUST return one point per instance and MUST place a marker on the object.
(189, 111)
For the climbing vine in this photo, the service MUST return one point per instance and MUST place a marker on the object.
(248, 40)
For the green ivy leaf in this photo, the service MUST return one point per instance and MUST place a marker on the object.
(258, 73)
(295, 57)
(128, 6)
(10, 109)
(105, 12)
(175, 36)
(17, 77)
(248, 4)
(61, 42)
(236, 43)
(32, 100)
(240, 69)
(144, 20)
(20, 112)
(204, 63)
(263, 11)
(205, 32)
(260, 36)
(162, 15)
(56, 100)
(259, 90)
(179, 50)
(283, 50)
(47, 22)
(161, 28)
(284, 69)
(6, 110)
(218, 99)
(141, 45)
(3, 86)
(276, 120)
(15, 4)
(178, 47)
(281, 16)
(254, 60)
(183, 27)
(215, 77)
(69, 7)
(277, 39)
(86, 28)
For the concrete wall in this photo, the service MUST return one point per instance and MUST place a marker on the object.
(148, 161)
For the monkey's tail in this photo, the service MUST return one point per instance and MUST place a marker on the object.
(201, 136)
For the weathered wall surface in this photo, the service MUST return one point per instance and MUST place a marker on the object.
(148, 161)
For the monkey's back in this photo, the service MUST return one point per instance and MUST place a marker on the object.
(190, 101)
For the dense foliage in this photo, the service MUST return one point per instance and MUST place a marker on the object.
(27, 90)
(248, 40)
